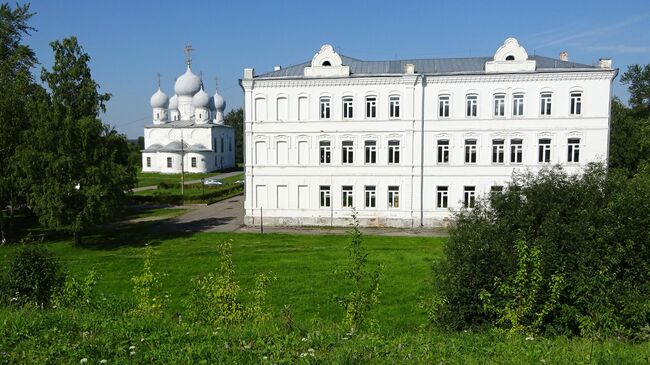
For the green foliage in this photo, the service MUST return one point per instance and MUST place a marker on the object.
(77, 293)
(75, 169)
(364, 281)
(170, 194)
(34, 275)
(638, 79)
(523, 293)
(147, 287)
(552, 253)
(235, 119)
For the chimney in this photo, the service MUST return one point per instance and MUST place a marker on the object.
(409, 68)
(277, 68)
(564, 56)
(605, 63)
(249, 73)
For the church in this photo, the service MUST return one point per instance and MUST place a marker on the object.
(406, 142)
(188, 133)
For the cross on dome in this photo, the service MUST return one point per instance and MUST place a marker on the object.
(188, 54)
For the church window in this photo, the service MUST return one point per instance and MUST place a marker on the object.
(148, 161)
(327, 63)
(221, 144)
(393, 107)
(169, 162)
(371, 107)
(510, 58)
(393, 151)
(193, 161)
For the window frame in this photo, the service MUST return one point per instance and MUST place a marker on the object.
(546, 103)
(518, 104)
(370, 150)
(544, 150)
(499, 105)
(325, 152)
(471, 105)
(516, 150)
(347, 152)
(394, 151)
(371, 106)
(575, 103)
(325, 107)
(193, 162)
(442, 151)
(393, 197)
(444, 106)
(469, 196)
(370, 196)
(148, 161)
(170, 163)
(573, 150)
(348, 107)
(498, 151)
(442, 197)
(394, 106)
(471, 150)
(347, 196)
(325, 196)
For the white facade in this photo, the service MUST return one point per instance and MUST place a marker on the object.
(444, 131)
(188, 133)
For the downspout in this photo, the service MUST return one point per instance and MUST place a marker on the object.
(609, 116)
(424, 79)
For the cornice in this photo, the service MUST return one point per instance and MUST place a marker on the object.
(545, 76)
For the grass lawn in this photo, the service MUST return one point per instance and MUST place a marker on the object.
(154, 178)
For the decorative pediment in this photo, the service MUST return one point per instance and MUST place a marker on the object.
(327, 63)
(510, 57)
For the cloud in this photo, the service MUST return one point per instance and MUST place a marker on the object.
(559, 35)
(619, 48)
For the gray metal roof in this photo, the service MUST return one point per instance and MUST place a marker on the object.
(175, 146)
(186, 124)
(424, 66)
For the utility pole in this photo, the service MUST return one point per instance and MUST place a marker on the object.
(182, 167)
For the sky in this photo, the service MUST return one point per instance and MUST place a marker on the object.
(129, 42)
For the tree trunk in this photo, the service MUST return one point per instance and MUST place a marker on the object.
(77, 238)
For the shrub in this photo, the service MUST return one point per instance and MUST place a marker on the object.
(77, 293)
(554, 253)
(34, 275)
(365, 282)
(147, 286)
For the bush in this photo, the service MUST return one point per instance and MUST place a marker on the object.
(147, 286)
(553, 253)
(34, 275)
(77, 293)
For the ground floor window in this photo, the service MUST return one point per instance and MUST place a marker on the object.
(148, 161)
(442, 193)
(393, 196)
(325, 196)
(169, 162)
(469, 197)
(193, 162)
(371, 197)
(348, 196)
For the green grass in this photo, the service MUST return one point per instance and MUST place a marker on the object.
(304, 266)
(153, 178)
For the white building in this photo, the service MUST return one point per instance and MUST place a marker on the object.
(188, 132)
(405, 141)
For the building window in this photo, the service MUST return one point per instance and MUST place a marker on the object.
(348, 107)
(443, 106)
(324, 196)
(518, 105)
(193, 161)
(325, 107)
(472, 105)
(221, 144)
(169, 162)
(443, 151)
(371, 151)
(574, 150)
(442, 193)
(498, 151)
(348, 152)
(495, 189)
(546, 103)
(348, 196)
(469, 200)
(148, 161)
(371, 107)
(470, 151)
(229, 144)
(544, 150)
(393, 151)
(516, 150)
(499, 105)
(393, 196)
(371, 197)
(325, 152)
(393, 107)
(576, 103)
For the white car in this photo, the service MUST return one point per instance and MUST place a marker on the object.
(212, 182)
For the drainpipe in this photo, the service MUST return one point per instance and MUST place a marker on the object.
(424, 79)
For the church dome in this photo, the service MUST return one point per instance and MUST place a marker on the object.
(201, 99)
(173, 103)
(219, 102)
(159, 100)
(187, 84)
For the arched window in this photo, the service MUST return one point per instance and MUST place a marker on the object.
(510, 58)
(326, 63)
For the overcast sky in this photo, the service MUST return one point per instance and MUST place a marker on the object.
(130, 41)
